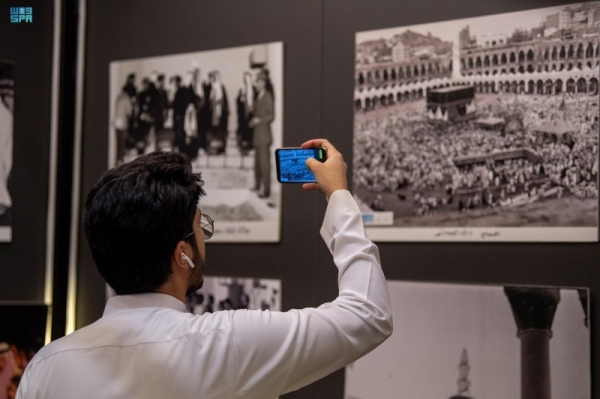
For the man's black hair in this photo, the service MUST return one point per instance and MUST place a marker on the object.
(135, 216)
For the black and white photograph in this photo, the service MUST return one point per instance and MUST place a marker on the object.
(480, 129)
(7, 94)
(479, 341)
(22, 334)
(224, 110)
(233, 293)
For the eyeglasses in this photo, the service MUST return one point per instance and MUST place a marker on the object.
(207, 225)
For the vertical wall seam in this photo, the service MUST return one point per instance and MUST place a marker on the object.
(51, 209)
(76, 188)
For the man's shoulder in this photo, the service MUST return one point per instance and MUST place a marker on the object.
(73, 341)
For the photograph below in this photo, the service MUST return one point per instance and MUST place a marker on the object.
(224, 110)
(463, 341)
(480, 129)
(234, 293)
(230, 293)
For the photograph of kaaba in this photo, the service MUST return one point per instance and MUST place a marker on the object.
(291, 166)
(223, 108)
(463, 341)
(480, 129)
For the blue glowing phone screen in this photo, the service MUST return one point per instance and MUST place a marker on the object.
(292, 165)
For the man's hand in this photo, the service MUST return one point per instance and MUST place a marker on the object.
(254, 122)
(331, 174)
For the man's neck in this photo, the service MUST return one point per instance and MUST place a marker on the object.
(173, 289)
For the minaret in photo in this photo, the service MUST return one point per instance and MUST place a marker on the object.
(463, 377)
(456, 75)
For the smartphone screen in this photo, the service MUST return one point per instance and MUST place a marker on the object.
(291, 164)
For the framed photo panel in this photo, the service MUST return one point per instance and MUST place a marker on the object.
(224, 110)
(479, 341)
(480, 129)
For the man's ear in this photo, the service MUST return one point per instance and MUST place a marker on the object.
(178, 261)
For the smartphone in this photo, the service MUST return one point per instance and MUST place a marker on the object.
(291, 164)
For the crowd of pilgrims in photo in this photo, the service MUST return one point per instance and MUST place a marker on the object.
(185, 114)
(414, 158)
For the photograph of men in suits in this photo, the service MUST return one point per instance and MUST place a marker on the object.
(223, 109)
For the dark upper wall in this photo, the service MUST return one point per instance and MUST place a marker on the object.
(29, 46)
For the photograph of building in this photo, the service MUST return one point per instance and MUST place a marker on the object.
(224, 110)
(479, 341)
(480, 129)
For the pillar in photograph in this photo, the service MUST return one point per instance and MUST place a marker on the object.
(534, 309)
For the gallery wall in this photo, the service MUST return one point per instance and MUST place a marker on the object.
(319, 51)
(29, 46)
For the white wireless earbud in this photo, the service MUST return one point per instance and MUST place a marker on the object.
(188, 260)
